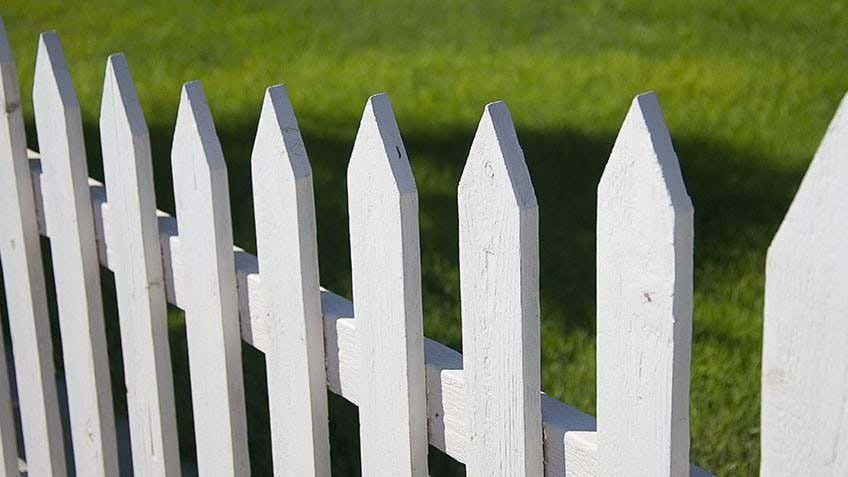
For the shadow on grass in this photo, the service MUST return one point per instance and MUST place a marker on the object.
(739, 200)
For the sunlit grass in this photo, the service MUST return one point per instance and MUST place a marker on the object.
(747, 90)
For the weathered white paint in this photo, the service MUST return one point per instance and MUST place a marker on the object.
(139, 283)
(68, 213)
(26, 298)
(288, 263)
(386, 269)
(445, 378)
(805, 339)
(644, 293)
(499, 286)
(209, 290)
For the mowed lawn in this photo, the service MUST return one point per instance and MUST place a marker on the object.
(747, 89)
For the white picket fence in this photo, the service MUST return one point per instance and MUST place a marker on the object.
(483, 408)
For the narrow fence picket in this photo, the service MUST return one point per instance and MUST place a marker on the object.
(26, 296)
(499, 290)
(386, 267)
(205, 242)
(8, 434)
(805, 335)
(68, 214)
(139, 282)
(644, 300)
(288, 263)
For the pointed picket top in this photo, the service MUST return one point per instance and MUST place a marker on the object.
(288, 264)
(120, 108)
(805, 360)
(496, 159)
(52, 82)
(499, 290)
(378, 155)
(195, 134)
(278, 133)
(643, 150)
(644, 300)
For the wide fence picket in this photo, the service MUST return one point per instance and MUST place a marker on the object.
(210, 301)
(644, 293)
(70, 222)
(286, 240)
(499, 290)
(26, 296)
(805, 335)
(139, 283)
(386, 269)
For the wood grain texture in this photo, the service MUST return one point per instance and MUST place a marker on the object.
(288, 264)
(69, 218)
(139, 283)
(26, 297)
(644, 296)
(805, 336)
(209, 291)
(386, 269)
(446, 415)
(499, 287)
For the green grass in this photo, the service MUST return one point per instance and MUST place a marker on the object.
(747, 90)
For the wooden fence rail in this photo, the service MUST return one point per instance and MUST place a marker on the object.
(486, 408)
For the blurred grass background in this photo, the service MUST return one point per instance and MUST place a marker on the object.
(747, 89)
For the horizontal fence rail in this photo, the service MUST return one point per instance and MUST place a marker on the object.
(485, 409)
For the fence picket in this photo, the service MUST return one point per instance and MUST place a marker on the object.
(26, 297)
(386, 266)
(288, 264)
(139, 283)
(805, 356)
(8, 434)
(205, 241)
(499, 288)
(69, 219)
(644, 299)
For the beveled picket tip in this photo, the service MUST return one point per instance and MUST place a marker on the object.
(496, 157)
(52, 76)
(378, 153)
(828, 166)
(195, 131)
(644, 143)
(278, 131)
(119, 105)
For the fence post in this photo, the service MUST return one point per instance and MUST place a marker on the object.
(26, 296)
(386, 267)
(69, 220)
(288, 265)
(805, 334)
(499, 286)
(139, 283)
(644, 296)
